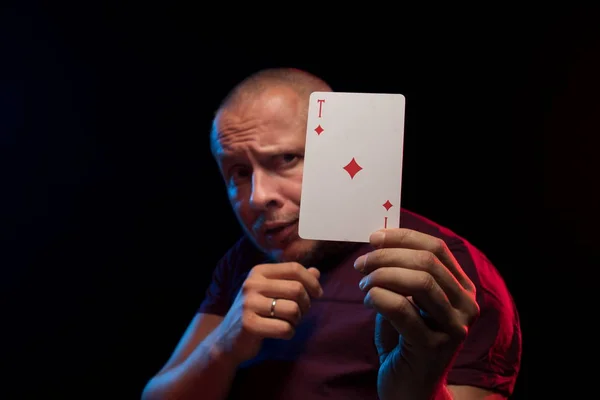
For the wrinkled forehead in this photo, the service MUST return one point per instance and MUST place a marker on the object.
(277, 108)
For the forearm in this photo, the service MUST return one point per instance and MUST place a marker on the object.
(206, 374)
(444, 394)
(438, 393)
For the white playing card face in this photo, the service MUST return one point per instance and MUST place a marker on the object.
(351, 185)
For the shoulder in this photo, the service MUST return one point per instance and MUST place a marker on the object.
(492, 354)
(412, 220)
(241, 257)
(493, 296)
(472, 260)
(228, 275)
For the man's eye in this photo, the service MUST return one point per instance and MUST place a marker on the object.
(238, 174)
(289, 158)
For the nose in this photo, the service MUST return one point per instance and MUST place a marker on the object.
(265, 191)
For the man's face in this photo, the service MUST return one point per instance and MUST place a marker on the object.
(258, 144)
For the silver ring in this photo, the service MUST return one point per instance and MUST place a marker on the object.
(273, 304)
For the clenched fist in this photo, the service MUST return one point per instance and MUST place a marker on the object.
(270, 303)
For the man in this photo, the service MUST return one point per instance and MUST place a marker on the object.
(418, 313)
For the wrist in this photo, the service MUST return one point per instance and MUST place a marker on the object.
(221, 351)
(221, 357)
(415, 380)
(414, 391)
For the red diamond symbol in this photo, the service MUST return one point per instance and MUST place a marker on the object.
(387, 205)
(319, 130)
(352, 168)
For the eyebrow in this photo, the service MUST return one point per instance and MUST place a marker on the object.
(272, 151)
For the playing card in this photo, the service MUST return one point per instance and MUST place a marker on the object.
(352, 178)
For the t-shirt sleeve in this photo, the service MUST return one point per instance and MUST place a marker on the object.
(226, 275)
(491, 355)
(229, 274)
(217, 298)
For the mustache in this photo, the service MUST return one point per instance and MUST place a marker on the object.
(273, 219)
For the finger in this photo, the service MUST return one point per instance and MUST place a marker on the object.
(291, 271)
(281, 289)
(400, 312)
(411, 239)
(315, 272)
(268, 327)
(422, 287)
(386, 337)
(267, 307)
(418, 260)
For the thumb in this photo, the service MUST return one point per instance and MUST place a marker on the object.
(386, 337)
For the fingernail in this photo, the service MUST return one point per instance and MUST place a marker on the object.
(376, 238)
(359, 264)
(362, 283)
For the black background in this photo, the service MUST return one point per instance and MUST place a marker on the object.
(113, 213)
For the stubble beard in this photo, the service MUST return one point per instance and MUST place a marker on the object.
(323, 255)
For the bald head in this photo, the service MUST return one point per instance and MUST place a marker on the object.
(266, 87)
(301, 82)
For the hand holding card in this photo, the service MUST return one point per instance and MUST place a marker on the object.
(352, 176)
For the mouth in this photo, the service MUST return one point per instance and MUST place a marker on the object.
(282, 233)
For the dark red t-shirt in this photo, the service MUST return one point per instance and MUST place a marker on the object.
(333, 354)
